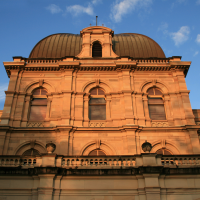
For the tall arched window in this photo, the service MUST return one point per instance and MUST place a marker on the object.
(96, 49)
(97, 104)
(156, 104)
(38, 105)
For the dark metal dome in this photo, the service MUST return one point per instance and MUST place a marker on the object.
(125, 44)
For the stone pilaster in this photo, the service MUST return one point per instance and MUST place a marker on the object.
(146, 110)
(26, 110)
(86, 110)
(9, 97)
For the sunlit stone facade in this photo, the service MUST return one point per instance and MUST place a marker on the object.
(78, 110)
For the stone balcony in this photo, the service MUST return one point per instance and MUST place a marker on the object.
(104, 162)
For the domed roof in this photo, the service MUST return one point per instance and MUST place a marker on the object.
(125, 44)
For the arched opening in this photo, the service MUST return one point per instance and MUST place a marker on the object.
(38, 105)
(156, 104)
(96, 49)
(97, 104)
(31, 152)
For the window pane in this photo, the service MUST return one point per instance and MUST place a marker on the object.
(163, 152)
(97, 101)
(31, 152)
(101, 153)
(97, 112)
(38, 113)
(93, 91)
(166, 152)
(36, 91)
(43, 92)
(159, 151)
(39, 101)
(157, 112)
(150, 91)
(97, 152)
(100, 91)
(155, 101)
(93, 153)
(157, 92)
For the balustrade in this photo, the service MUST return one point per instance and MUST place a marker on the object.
(108, 162)
(16, 161)
(180, 160)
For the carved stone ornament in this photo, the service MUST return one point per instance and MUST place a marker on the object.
(146, 147)
(50, 147)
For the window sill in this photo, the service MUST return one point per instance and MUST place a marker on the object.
(155, 120)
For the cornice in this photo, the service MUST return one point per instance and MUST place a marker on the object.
(116, 65)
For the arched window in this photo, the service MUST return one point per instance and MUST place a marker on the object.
(156, 104)
(97, 152)
(38, 105)
(97, 104)
(31, 152)
(96, 49)
(163, 152)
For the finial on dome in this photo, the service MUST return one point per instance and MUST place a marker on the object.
(96, 20)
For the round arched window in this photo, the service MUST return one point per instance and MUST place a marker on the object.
(38, 105)
(97, 152)
(31, 152)
(97, 104)
(156, 104)
(163, 152)
(96, 49)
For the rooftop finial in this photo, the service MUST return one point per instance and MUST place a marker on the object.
(96, 20)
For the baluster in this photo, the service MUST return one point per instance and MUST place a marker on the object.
(117, 162)
(195, 161)
(165, 161)
(64, 162)
(133, 162)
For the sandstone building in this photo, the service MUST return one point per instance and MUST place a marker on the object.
(102, 102)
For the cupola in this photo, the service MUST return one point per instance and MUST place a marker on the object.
(97, 42)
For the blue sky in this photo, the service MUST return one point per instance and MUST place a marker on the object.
(173, 24)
